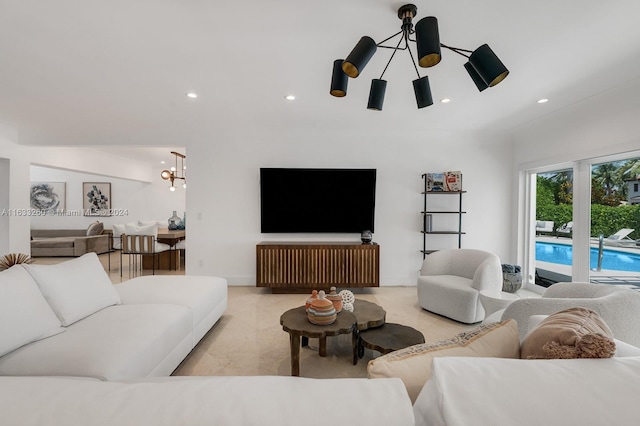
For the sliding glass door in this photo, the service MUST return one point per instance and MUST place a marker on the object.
(615, 222)
(582, 222)
(553, 226)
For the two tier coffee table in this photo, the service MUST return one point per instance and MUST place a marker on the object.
(367, 317)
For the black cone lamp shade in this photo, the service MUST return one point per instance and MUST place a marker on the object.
(423, 92)
(488, 66)
(376, 94)
(428, 42)
(359, 57)
(339, 80)
(480, 83)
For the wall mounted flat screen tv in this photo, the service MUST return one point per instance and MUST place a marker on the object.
(317, 200)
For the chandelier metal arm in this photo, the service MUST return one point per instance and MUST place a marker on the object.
(389, 38)
(457, 50)
(392, 55)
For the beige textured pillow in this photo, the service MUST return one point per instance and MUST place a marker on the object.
(570, 333)
(413, 364)
(95, 228)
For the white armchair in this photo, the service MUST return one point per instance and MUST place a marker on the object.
(450, 282)
(619, 307)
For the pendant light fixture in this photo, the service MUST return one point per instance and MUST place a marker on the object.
(484, 66)
(175, 172)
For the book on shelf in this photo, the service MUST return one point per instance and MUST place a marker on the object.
(453, 181)
(435, 182)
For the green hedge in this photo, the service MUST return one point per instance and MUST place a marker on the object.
(605, 220)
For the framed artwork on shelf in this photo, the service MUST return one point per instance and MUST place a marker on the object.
(48, 196)
(96, 198)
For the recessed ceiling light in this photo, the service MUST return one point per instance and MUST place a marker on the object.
(445, 100)
(290, 97)
(163, 162)
(192, 95)
(543, 100)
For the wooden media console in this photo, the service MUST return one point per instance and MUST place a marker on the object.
(304, 265)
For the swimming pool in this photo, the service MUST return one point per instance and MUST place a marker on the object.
(611, 259)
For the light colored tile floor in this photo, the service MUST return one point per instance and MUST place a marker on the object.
(249, 340)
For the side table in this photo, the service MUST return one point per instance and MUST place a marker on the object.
(493, 303)
(388, 338)
(296, 323)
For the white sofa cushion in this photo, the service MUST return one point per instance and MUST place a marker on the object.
(228, 401)
(75, 288)
(24, 314)
(205, 296)
(413, 364)
(116, 343)
(491, 391)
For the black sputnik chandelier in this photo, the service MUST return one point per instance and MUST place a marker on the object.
(484, 67)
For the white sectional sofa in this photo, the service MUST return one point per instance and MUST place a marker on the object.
(77, 350)
(144, 327)
(505, 392)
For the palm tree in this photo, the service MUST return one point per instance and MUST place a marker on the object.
(630, 169)
(606, 175)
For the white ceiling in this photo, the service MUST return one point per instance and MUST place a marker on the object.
(95, 72)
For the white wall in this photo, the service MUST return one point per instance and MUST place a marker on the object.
(4, 203)
(136, 200)
(138, 186)
(224, 204)
(16, 240)
(601, 125)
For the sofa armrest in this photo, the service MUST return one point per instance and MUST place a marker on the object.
(94, 243)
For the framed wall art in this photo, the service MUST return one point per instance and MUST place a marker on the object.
(48, 196)
(97, 198)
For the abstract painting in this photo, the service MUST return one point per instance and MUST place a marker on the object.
(97, 198)
(48, 196)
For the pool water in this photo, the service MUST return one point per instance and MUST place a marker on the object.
(611, 259)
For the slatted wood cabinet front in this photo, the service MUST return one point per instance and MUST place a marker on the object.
(296, 265)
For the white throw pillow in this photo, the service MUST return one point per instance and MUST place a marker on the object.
(118, 230)
(76, 288)
(150, 222)
(24, 314)
(141, 230)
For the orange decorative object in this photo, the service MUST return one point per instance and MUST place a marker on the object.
(336, 299)
(321, 311)
(310, 299)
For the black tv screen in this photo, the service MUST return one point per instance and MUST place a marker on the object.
(317, 200)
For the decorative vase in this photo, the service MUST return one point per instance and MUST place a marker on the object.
(310, 299)
(321, 311)
(347, 297)
(174, 221)
(366, 237)
(336, 299)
